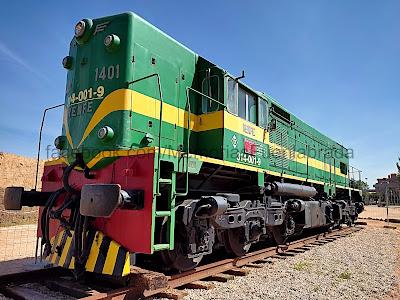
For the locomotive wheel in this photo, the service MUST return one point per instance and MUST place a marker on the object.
(235, 241)
(178, 258)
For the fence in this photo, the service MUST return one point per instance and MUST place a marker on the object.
(389, 213)
(17, 242)
(18, 234)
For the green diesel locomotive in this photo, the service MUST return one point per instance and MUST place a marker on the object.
(162, 151)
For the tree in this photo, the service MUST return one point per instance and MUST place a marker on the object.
(359, 184)
(398, 170)
(398, 167)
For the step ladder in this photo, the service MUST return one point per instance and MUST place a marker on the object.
(168, 214)
(171, 182)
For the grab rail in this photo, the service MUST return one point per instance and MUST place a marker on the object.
(40, 140)
(160, 124)
(204, 95)
(187, 144)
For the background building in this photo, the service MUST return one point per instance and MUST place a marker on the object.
(391, 185)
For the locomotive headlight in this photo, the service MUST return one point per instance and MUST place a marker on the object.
(67, 62)
(105, 133)
(80, 28)
(111, 42)
(60, 142)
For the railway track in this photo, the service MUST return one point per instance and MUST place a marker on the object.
(58, 283)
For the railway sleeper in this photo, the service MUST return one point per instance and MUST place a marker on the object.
(71, 288)
(199, 285)
(254, 265)
(237, 272)
(173, 294)
(220, 277)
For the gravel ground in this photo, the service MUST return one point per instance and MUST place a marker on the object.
(361, 266)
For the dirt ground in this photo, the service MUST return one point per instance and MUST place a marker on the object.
(17, 170)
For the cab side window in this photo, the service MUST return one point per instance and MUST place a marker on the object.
(262, 113)
(247, 106)
(241, 102)
(343, 168)
(251, 109)
(232, 96)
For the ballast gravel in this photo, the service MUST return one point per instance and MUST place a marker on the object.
(359, 266)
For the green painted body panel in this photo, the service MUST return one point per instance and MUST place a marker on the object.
(143, 50)
(210, 143)
(234, 150)
(88, 59)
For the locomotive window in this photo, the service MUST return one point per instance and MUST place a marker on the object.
(210, 87)
(242, 103)
(343, 168)
(251, 109)
(262, 113)
(247, 106)
(232, 96)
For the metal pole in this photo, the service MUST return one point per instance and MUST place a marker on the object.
(387, 202)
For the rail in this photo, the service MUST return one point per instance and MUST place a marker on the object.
(160, 123)
(56, 279)
(40, 140)
(186, 192)
(215, 268)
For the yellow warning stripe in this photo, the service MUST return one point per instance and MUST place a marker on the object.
(113, 259)
(55, 245)
(72, 263)
(65, 251)
(127, 266)
(126, 99)
(164, 151)
(94, 252)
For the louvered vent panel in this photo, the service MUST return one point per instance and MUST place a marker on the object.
(281, 152)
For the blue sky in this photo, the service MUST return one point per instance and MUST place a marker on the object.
(335, 64)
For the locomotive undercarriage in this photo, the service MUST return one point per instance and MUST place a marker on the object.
(211, 218)
(236, 221)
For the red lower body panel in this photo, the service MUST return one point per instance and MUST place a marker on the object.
(130, 228)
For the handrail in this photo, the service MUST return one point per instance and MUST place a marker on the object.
(188, 89)
(204, 95)
(40, 140)
(160, 124)
(187, 144)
